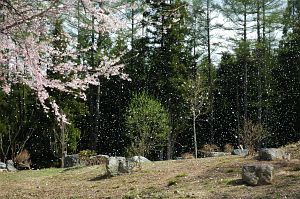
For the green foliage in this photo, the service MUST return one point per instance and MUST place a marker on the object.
(286, 88)
(147, 123)
(167, 58)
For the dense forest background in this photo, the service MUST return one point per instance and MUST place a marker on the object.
(199, 72)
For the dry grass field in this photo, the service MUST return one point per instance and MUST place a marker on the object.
(202, 178)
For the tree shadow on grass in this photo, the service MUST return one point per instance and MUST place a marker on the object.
(101, 177)
(237, 182)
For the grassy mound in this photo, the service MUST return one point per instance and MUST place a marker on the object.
(192, 178)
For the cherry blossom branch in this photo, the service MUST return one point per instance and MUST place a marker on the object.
(23, 20)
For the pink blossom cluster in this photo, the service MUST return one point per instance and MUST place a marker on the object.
(26, 50)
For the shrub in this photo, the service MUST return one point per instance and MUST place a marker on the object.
(251, 136)
(210, 148)
(87, 153)
(22, 160)
(228, 148)
(187, 156)
(147, 124)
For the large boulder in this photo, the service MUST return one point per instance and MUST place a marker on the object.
(10, 166)
(241, 152)
(102, 159)
(258, 174)
(71, 160)
(117, 165)
(270, 154)
(2, 165)
(123, 165)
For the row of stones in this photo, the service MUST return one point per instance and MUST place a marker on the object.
(9, 166)
(263, 174)
(267, 154)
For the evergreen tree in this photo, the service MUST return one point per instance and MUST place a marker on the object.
(287, 82)
(171, 61)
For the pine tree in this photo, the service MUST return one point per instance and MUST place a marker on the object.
(286, 80)
(171, 60)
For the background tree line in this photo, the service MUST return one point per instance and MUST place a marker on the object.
(178, 97)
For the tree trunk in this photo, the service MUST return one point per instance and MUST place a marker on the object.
(63, 145)
(238, 112)
(245, 72)
(245, 22)
(95, 99)
(211, 115)
(1, 148)
(195, 134)
(132, 23)
(170, 146)
(258, 57)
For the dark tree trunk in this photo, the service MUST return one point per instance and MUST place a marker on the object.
(258, 60)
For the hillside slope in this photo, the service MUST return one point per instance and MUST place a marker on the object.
(202, 178)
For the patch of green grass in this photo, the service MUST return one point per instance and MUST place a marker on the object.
(30, 174)
(181, 175)
(228, 181)
(131, 195)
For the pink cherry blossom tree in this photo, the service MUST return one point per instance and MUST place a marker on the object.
(26, 50)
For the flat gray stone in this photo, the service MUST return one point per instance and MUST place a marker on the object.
(258, 174)
(241, 152)
(219, 154)
(204, 154)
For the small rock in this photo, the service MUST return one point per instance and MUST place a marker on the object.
(257, 174)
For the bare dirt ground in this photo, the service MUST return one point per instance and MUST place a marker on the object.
(201, 178)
